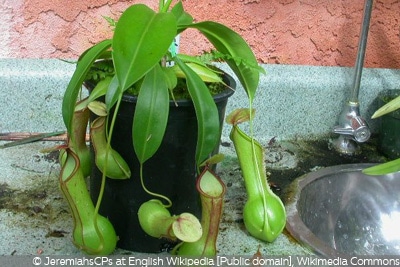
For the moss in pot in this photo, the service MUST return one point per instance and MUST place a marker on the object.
(140, 56)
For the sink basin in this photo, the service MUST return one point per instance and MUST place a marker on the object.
(339, 211)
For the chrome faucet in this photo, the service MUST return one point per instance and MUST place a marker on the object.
(353, 129)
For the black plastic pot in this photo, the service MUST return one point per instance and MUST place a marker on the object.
(170, 172)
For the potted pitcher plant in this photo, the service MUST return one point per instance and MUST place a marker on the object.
(155, 119)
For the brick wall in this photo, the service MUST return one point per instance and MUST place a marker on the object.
(305, 32)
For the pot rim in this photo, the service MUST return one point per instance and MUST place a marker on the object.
(225, 94)
(228, 79)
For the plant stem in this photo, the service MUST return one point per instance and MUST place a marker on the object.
(164, 5)
(152, 193)
(103, 177)
(160, 5)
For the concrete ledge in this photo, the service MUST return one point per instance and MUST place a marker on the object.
(31, 93)
(292, 101)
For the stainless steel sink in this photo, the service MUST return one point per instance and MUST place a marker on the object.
(338, 211)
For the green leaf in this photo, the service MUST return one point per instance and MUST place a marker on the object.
(206, 112)
(84, 64)
(142, 37)
(183, 18)
(214, 159)
(113, 93)
(170, 77)
(206, 74)
(151, 114)
(387, 108)
(384, 168)
(100, 89)
(242, 60)
(187, 59)
(171, 80)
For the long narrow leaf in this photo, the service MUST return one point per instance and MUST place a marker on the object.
(243, 62)
(206, 112)
(183, 18)
(113, 93)
(151, 114)
(100, 89)
(142, 37)
(205, 73)
(75, 84)
(383, 168)
(387, 108)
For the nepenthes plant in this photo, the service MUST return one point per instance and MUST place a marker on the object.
(139, 60)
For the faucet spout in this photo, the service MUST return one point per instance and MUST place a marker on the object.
(351, 126)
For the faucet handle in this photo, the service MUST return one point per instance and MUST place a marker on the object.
(357, 129)
(361, 130)
(343, 130)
